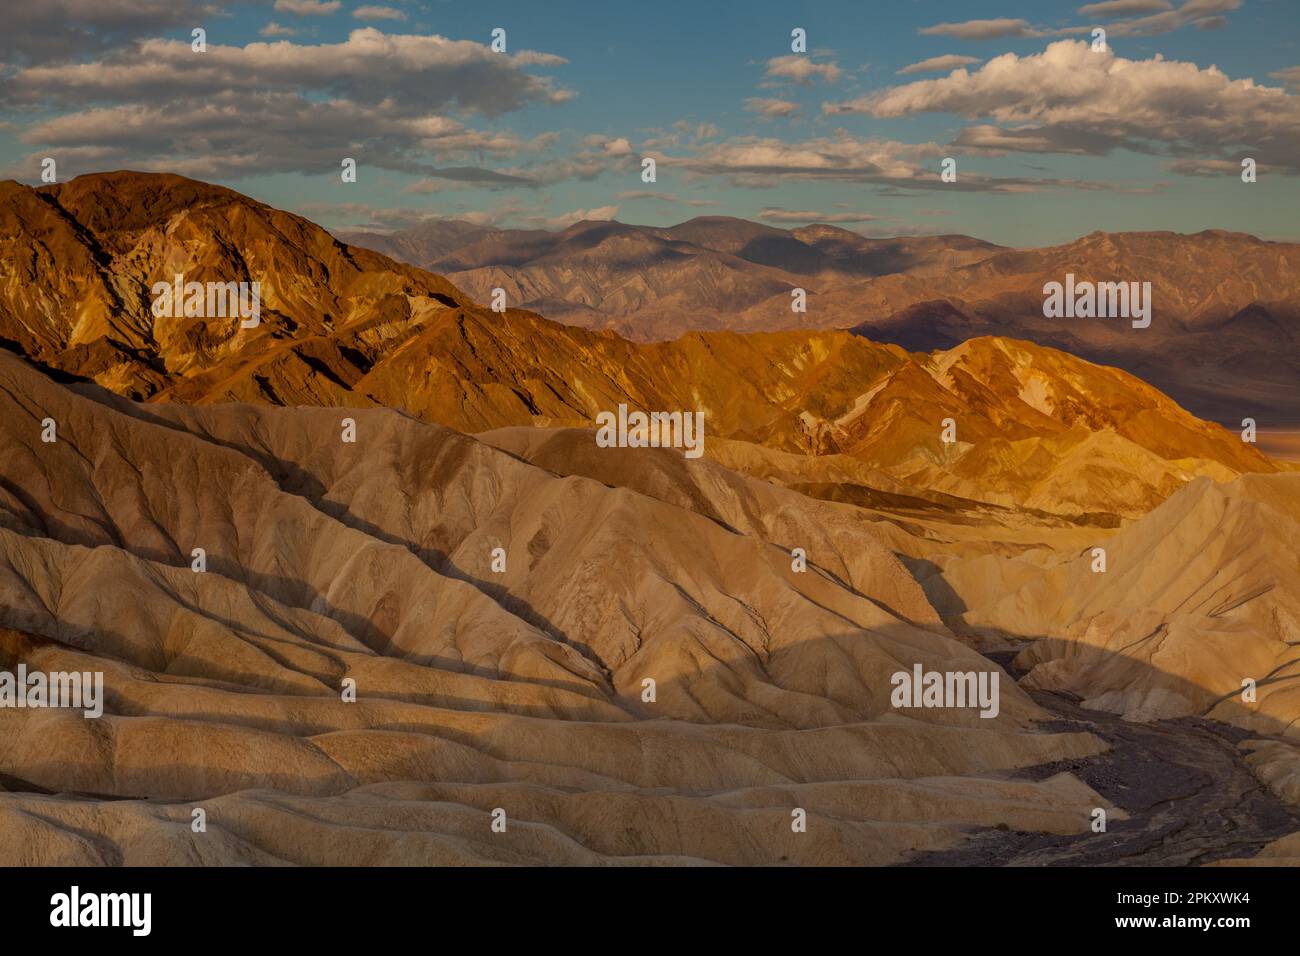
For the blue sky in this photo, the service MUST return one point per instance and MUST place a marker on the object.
(1052, 139)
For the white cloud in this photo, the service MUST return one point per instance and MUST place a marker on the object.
(841, 157)
(980, 29)
(1290, 76)
(369, 66)
(770, 107)
(224, 136)
(1198, 13)
(378, 13)
(52, 30)
(1119, 8)
(996, 141)
(305, 8)
(802, 69)
(940, 64)
(274, 29)
(1071, 99)
(763, 163)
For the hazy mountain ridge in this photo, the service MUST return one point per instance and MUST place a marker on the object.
(653, 283)
(1224, 339)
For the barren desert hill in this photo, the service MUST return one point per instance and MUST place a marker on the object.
(522, 689)
(1193, 599)
(1207, 581)
(440, 503)
(80, 259)
(347, 327)
(1196, 603)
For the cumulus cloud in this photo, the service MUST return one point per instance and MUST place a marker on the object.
(305, 8)
(388, 100)
(362, 217)
(369, 66)
(1119, 8)
(996, 141)
(748, 159)
(765, 162)
(1290, 76)
(770, 107)
(802, 69)
(53, 30)
(940, 64)
(224, 136)
(512, 212)
(980, 29)
(1199, 13)
(274, 29)
(378, 13)
(1070, 99)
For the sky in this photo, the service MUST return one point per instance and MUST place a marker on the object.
(1052, 136)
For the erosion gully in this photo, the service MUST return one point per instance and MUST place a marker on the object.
(1190, 797)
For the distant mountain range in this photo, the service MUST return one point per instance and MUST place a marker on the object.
(710, 273)
(1224, 340)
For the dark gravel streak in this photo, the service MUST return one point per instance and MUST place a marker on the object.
(1189, 794)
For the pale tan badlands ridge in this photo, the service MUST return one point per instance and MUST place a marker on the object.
(330, 562)
(521, 691)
